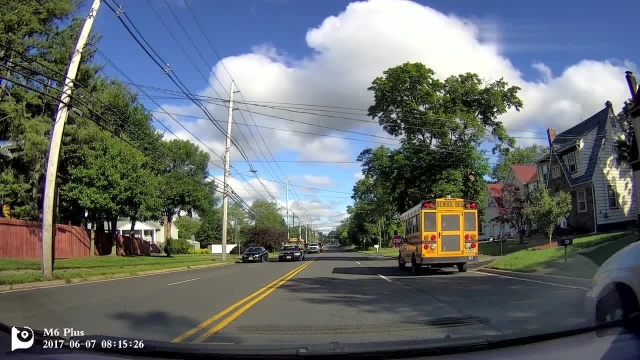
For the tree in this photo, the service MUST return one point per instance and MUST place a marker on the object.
(547, 209)
(266, 215)
(183, 183)
(188, 226)
(210, 231)
(237, 218)
(516, 156)
(627, 143)
(269, 237)
(514, 208)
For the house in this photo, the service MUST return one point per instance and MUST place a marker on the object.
(584, 161)
(152, 231)
(634, 113)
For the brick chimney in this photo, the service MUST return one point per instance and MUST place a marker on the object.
(632, 82)
(551, 135)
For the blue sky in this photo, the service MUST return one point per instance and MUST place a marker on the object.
(569, 60)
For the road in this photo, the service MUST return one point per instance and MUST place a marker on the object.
(335, 296)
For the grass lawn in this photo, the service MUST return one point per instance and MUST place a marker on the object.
(585, 263)
(14, 271)
(510, 246)
(390, 252)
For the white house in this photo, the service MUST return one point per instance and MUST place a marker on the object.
(585, 162)
(152, 231)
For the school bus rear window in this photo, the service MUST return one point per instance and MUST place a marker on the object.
(430, 221)
(470, 221)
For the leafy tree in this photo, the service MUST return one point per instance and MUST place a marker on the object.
(266, 214)
(513, 210)
(269, 237)
(626, 144)
(237, 218)
(188, 226)
(547, 209)
(210, 231)
(516, 156)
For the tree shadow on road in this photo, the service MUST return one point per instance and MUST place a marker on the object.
(389, 271)
(509, 305)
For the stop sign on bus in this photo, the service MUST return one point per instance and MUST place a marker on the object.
(397, 241)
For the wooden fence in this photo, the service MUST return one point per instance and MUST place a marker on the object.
(21, 239)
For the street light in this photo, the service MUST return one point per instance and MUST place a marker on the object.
(225, 209)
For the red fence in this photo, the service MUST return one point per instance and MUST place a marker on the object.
(21, 239)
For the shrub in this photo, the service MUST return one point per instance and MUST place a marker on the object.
(179, 247)
(203, 251)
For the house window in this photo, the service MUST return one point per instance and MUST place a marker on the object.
(544, 170)
(613, 197)
(555, 172)
(582, 201)
(571, 160)
(616, 156)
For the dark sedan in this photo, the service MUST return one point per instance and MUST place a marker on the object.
(255, 254)
(291, 253)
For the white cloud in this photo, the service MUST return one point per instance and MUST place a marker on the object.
(312, 180)
(358, 176)
(353, 47)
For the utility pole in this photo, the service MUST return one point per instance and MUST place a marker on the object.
(48, 206)
(299, 220)
(306, 228)
(225, 192)
(286, 182)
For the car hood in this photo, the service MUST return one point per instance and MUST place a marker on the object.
(624, 258)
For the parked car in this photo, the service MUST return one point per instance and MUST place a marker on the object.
(291, 252)
(313, 248)
(256, 253)
(615, 293)
(482, 237)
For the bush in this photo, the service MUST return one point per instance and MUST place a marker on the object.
(199, 251)
(179, 247)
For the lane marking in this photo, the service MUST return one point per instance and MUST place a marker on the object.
(114, 279)
(221, 325)
(358, 262)
(210, 320)
(531, 280)
(386, 278)
(184, 281)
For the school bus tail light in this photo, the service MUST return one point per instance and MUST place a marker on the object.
(467, 236)
(427, 246)
(470, 205)
(429, 205)
(470, 245)
(474, 245)
(433, 238)
(473, 236)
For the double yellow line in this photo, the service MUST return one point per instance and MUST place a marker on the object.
(256, 296)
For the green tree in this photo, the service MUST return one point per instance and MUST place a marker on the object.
(547, 209)
(188, 226)
(516, 156)
(183, 182)
(210, 231)
(266, 214)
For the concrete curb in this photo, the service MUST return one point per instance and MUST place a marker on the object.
(54, 283)
(561, 280)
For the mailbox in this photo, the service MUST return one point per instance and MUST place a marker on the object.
(565, 242)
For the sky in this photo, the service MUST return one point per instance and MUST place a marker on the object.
(301, 69)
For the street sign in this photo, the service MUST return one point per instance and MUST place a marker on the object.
(397, 241)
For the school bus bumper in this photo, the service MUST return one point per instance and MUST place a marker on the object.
(448, 260)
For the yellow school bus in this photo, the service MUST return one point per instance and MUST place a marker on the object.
(440, 233)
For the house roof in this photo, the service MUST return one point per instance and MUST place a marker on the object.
(570, 137)
(525, 173)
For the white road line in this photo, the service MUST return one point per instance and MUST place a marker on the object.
(358, 262)
(184, 281)
(386, 278)
(534, 281)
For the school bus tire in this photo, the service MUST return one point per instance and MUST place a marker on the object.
(462, 267)
(401, 263)
(415, 267)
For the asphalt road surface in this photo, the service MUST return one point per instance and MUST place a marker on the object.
(338, 295)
